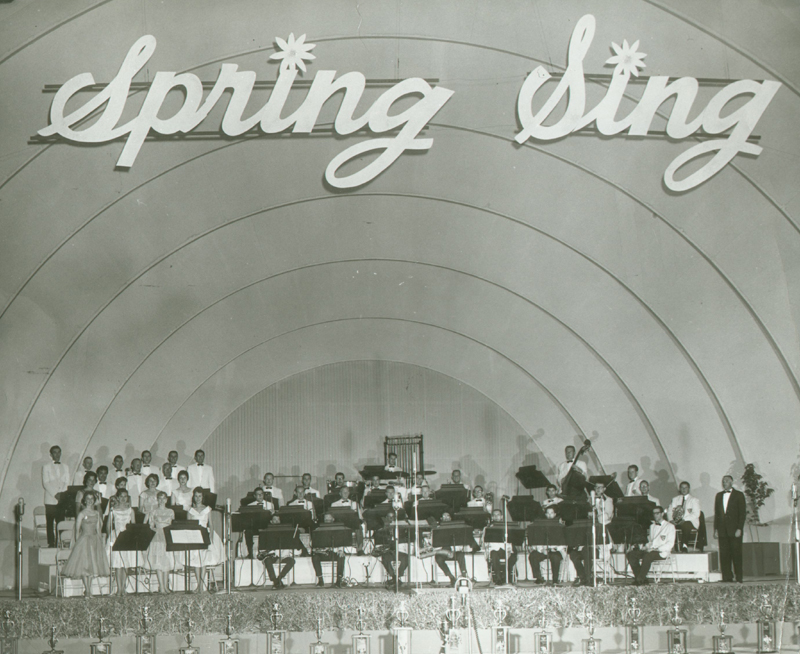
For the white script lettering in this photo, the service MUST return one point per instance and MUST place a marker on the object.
(711, 120)
(112, 99)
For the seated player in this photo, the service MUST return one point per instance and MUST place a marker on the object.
(456, 553)
(554, 554)
(684, 513)
(500, 556)
(478, 500)
(306, 481)
(318, 555)
(644, 491)
(283, 557)
(260, 501)
(270, 489)
(660, 540)
(393, 554)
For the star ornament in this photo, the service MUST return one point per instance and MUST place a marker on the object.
(292, 52)
(626, 59)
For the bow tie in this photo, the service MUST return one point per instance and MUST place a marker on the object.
(199, 465)
(138, 474)
(58, 463)
(727, 491)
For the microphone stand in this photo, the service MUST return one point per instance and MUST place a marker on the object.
(396, 546)
(505, 537)
(594, 539)
(20, 511)
(603, 527)
(796, 529)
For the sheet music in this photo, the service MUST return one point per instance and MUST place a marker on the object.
(187, 537)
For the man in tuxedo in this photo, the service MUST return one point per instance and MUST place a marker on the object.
(147, 464)
(730, 511)
(119, 464)
(77, 479)
(200, 473)
(172, 459)
(135, 481)
(55, 479)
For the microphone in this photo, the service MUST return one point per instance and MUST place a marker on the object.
(794, 494)
(21, 507)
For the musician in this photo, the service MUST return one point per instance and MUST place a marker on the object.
(308, 490)
(730, 511)
(55, 480)
(392, 466)
(456, 553)
(270, 489)
(299, 499)
(318, 555)
(135, 481)
(565, 466)
(478, 500)
(499, 555)
(582, 557)
(147, 464)
(262, 503)
(77, 478)
(633, 481)
(552, 497)
(391, 492)
(200, 473)
(684, 513)
(172, 459)
(455, 479)
(555, 554)
(103, 487)
(660, 540)
(644, 491)
(167, 482)
(391, 549)
(344, 500)
(119, 464)
(269, 558)
(419, 483)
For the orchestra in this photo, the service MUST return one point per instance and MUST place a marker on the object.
(389, 516)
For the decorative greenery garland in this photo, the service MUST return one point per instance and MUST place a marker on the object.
(527, 608)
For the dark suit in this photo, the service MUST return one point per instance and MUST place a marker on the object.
(726, 523)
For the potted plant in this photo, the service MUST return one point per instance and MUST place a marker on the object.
(759, 558)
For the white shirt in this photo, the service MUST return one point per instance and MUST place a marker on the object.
(55, 479)
(312, 491)
(551, 502)
(277, 493)
(725, 498)
(135, 486)
(264, 504)
(691, 508)
(150, 470)
(564, 466)
(167, 485)
(662, 538)
(605, 509)
(116, 474)
(105, 489)
(201, 475)
(633, 488)
(176, 469)
(480, 502)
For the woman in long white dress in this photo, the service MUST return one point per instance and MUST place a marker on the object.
(182, 495)
(157, 556)
(214, 555)
(119, 516)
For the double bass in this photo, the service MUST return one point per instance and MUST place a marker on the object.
(574, 482)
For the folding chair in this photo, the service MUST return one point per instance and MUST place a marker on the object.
(65, 531)
(61, 559)
(670, 564)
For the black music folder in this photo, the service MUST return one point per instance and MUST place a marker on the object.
(496, 533)
(550, 533)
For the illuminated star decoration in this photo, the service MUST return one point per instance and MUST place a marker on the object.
(627, 59)
(293, 52)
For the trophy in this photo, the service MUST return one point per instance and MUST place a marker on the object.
(10, 638)
(500, 644)
(402, 632)
(543, 640)
(452, 615)
(276, 637)
(101, 646)
(145, 642)
(635, 630)
(319, 647)
(723, 644)
(766, 629)
(229, 645)
(189, 649)
(677, 639)
(360, 640)
(52, 642)
(591, 645)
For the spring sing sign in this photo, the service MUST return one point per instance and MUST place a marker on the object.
(399, 131)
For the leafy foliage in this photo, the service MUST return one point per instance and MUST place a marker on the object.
(757, 490)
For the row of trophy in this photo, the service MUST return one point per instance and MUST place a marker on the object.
(677, 636)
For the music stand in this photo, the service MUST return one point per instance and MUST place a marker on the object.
(496, 533)
(579, 533)
(209, 498)
(523, 508)
(624, 529)
(547, 533)
(296, 515)
(610, 482)
(374, 517)
(455, 534)
(637, 507)
(331, 537)
(277, 538)
(368, 472)
(426, 509)
(476, 517)
(345, 516)
(250, 520)
(454, 495)
(186, 536)
(570, 511)
(134, 538)
(530, 477)
(247, 499)
(375, 497)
